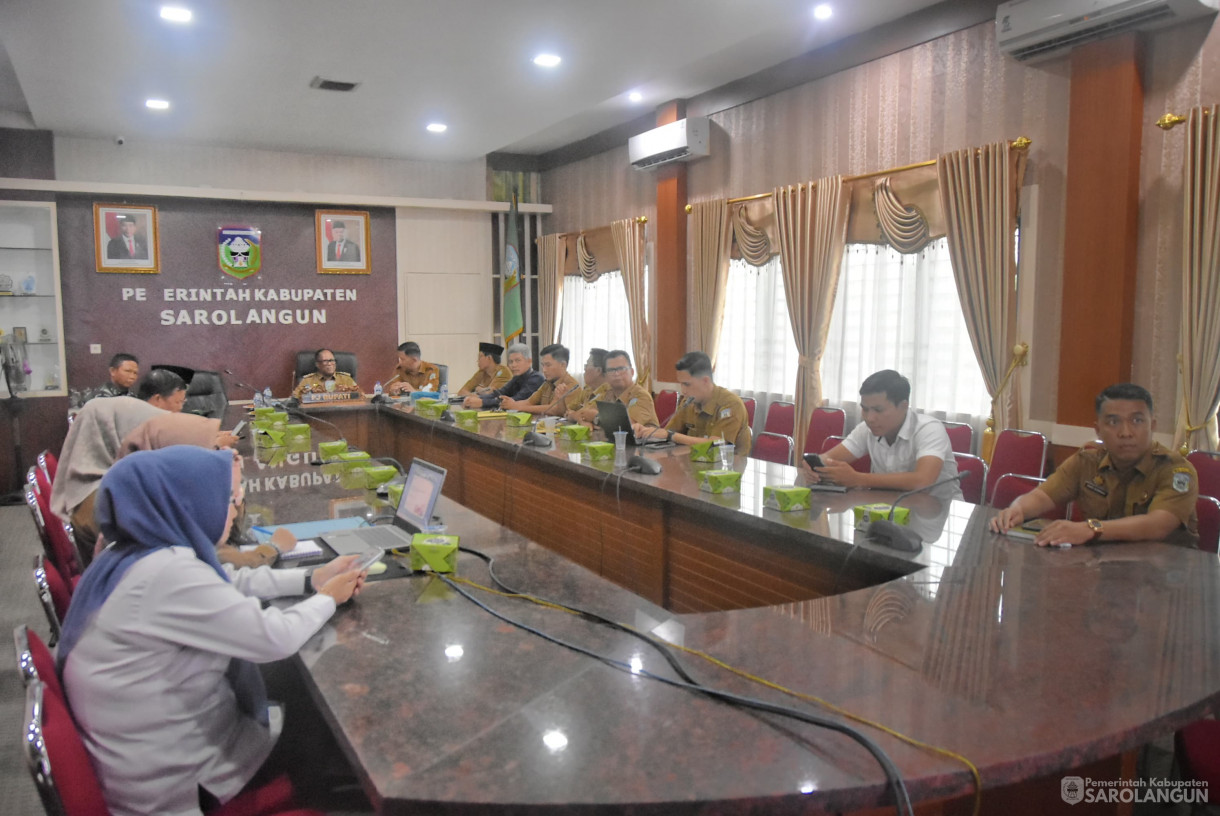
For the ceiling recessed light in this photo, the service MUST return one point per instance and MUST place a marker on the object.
(635, 96)
(176, 14)
(437, 127)
(156, 104)
(547, 60)
(823, 11)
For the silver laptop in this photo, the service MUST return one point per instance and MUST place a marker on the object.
(414, 513)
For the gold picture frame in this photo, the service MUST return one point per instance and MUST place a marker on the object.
(123, 249)
(342, 242)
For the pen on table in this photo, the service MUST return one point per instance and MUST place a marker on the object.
(262, 530)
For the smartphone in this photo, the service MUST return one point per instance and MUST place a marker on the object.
(237, 429)
(814, 461)
(369, 558)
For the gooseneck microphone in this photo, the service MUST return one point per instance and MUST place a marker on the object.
(898, 536)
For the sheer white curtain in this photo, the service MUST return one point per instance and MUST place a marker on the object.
(757, 356)
(902, 312)
(595, 315)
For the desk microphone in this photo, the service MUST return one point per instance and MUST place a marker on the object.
(537, 440)
(642, 464)
(900, 537)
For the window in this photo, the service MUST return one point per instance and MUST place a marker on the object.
(595, 315)
(757, 354)
(902, 312)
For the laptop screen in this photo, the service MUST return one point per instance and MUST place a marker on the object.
(419, 495)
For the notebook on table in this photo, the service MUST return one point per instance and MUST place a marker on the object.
(419, 495)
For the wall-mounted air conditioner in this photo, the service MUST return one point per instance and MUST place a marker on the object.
(678, 141)
(1040, 29)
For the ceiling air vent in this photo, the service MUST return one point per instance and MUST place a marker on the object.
(332, 84)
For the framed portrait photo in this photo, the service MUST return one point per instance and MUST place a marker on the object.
(342, 242)
(125, 238)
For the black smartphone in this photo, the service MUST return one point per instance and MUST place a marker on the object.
(237, 429)
(814, 461)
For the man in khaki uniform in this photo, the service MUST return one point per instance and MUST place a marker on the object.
(620, 379)
(490, 374)
(324, 361)
(594, 388)
(708, 412)
(548, 399)
(412, 373)
(1130, 488)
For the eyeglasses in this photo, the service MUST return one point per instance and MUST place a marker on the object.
(325, 361)
(617, 369)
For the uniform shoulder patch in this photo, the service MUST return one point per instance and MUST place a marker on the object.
(1181, 481)
(725, 413)
(632, 401)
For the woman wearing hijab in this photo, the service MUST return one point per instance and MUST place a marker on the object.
(157, 647)
(91, 447)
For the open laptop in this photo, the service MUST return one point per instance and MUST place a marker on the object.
(612, 416)
(419, 495)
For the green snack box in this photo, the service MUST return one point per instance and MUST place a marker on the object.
(261, 425)
(704, 452)
(378, 474)
(353, 456)
(786, 498)
(329, 451)
(880, 512)
(430, 409)
(599, 450)
(434, 552)
(296, 431)
(277, 418)
(273, 438)
(263, 411)
(518, 418)
(720, 481)
(575, 432)
(350, 477)
(467, 415)
(394, 494)
(422, 401)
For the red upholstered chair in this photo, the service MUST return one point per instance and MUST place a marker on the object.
(34, 659)
(57, 538)
(1022, 452)
(68, 784)
(972, 485)
(1207, 509)
(824, 422)
(48, 464)
(780, 418)
(54, 593)
(961, 436)
(1011, 485)
(1207, 465)
(42, 480)
(771, 447)
(862, 465)
(666, 403)
(1197, 751)
(750, 406)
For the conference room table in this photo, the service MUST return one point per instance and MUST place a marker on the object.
(1030, 663)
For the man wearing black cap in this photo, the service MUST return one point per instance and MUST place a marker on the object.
(490, 374)
(412, 373)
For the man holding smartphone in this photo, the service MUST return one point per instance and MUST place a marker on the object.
(908, 450)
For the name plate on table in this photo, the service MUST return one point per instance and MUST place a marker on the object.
(333, 396)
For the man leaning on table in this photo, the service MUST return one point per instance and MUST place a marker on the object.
(620, 386)
(594, 388)
(1129, 489)
(548, 398)
(908, 450)
(525, 380)
(412, 373)
(709, 411)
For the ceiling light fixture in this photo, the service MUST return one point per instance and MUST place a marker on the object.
(635, 96)
(823, 11)
(176, 14)
(437, 127)
(156, 104)
(547, 60)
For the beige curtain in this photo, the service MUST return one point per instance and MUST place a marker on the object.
(711, 237)
(552, 252)
(903, 226)
(1200, 332)
(629, 244)
(811, 220)
(586, 261)
(978, 192)
(753, 244)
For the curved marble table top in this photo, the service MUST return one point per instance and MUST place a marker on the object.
(1027, 661)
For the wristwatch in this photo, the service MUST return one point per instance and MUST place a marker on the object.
(1095, 526)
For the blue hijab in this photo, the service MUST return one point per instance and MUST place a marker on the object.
(173, 497)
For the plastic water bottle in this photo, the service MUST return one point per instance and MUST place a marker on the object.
(258, 399)
(267, 398)
(445, 392)
(377, 389)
